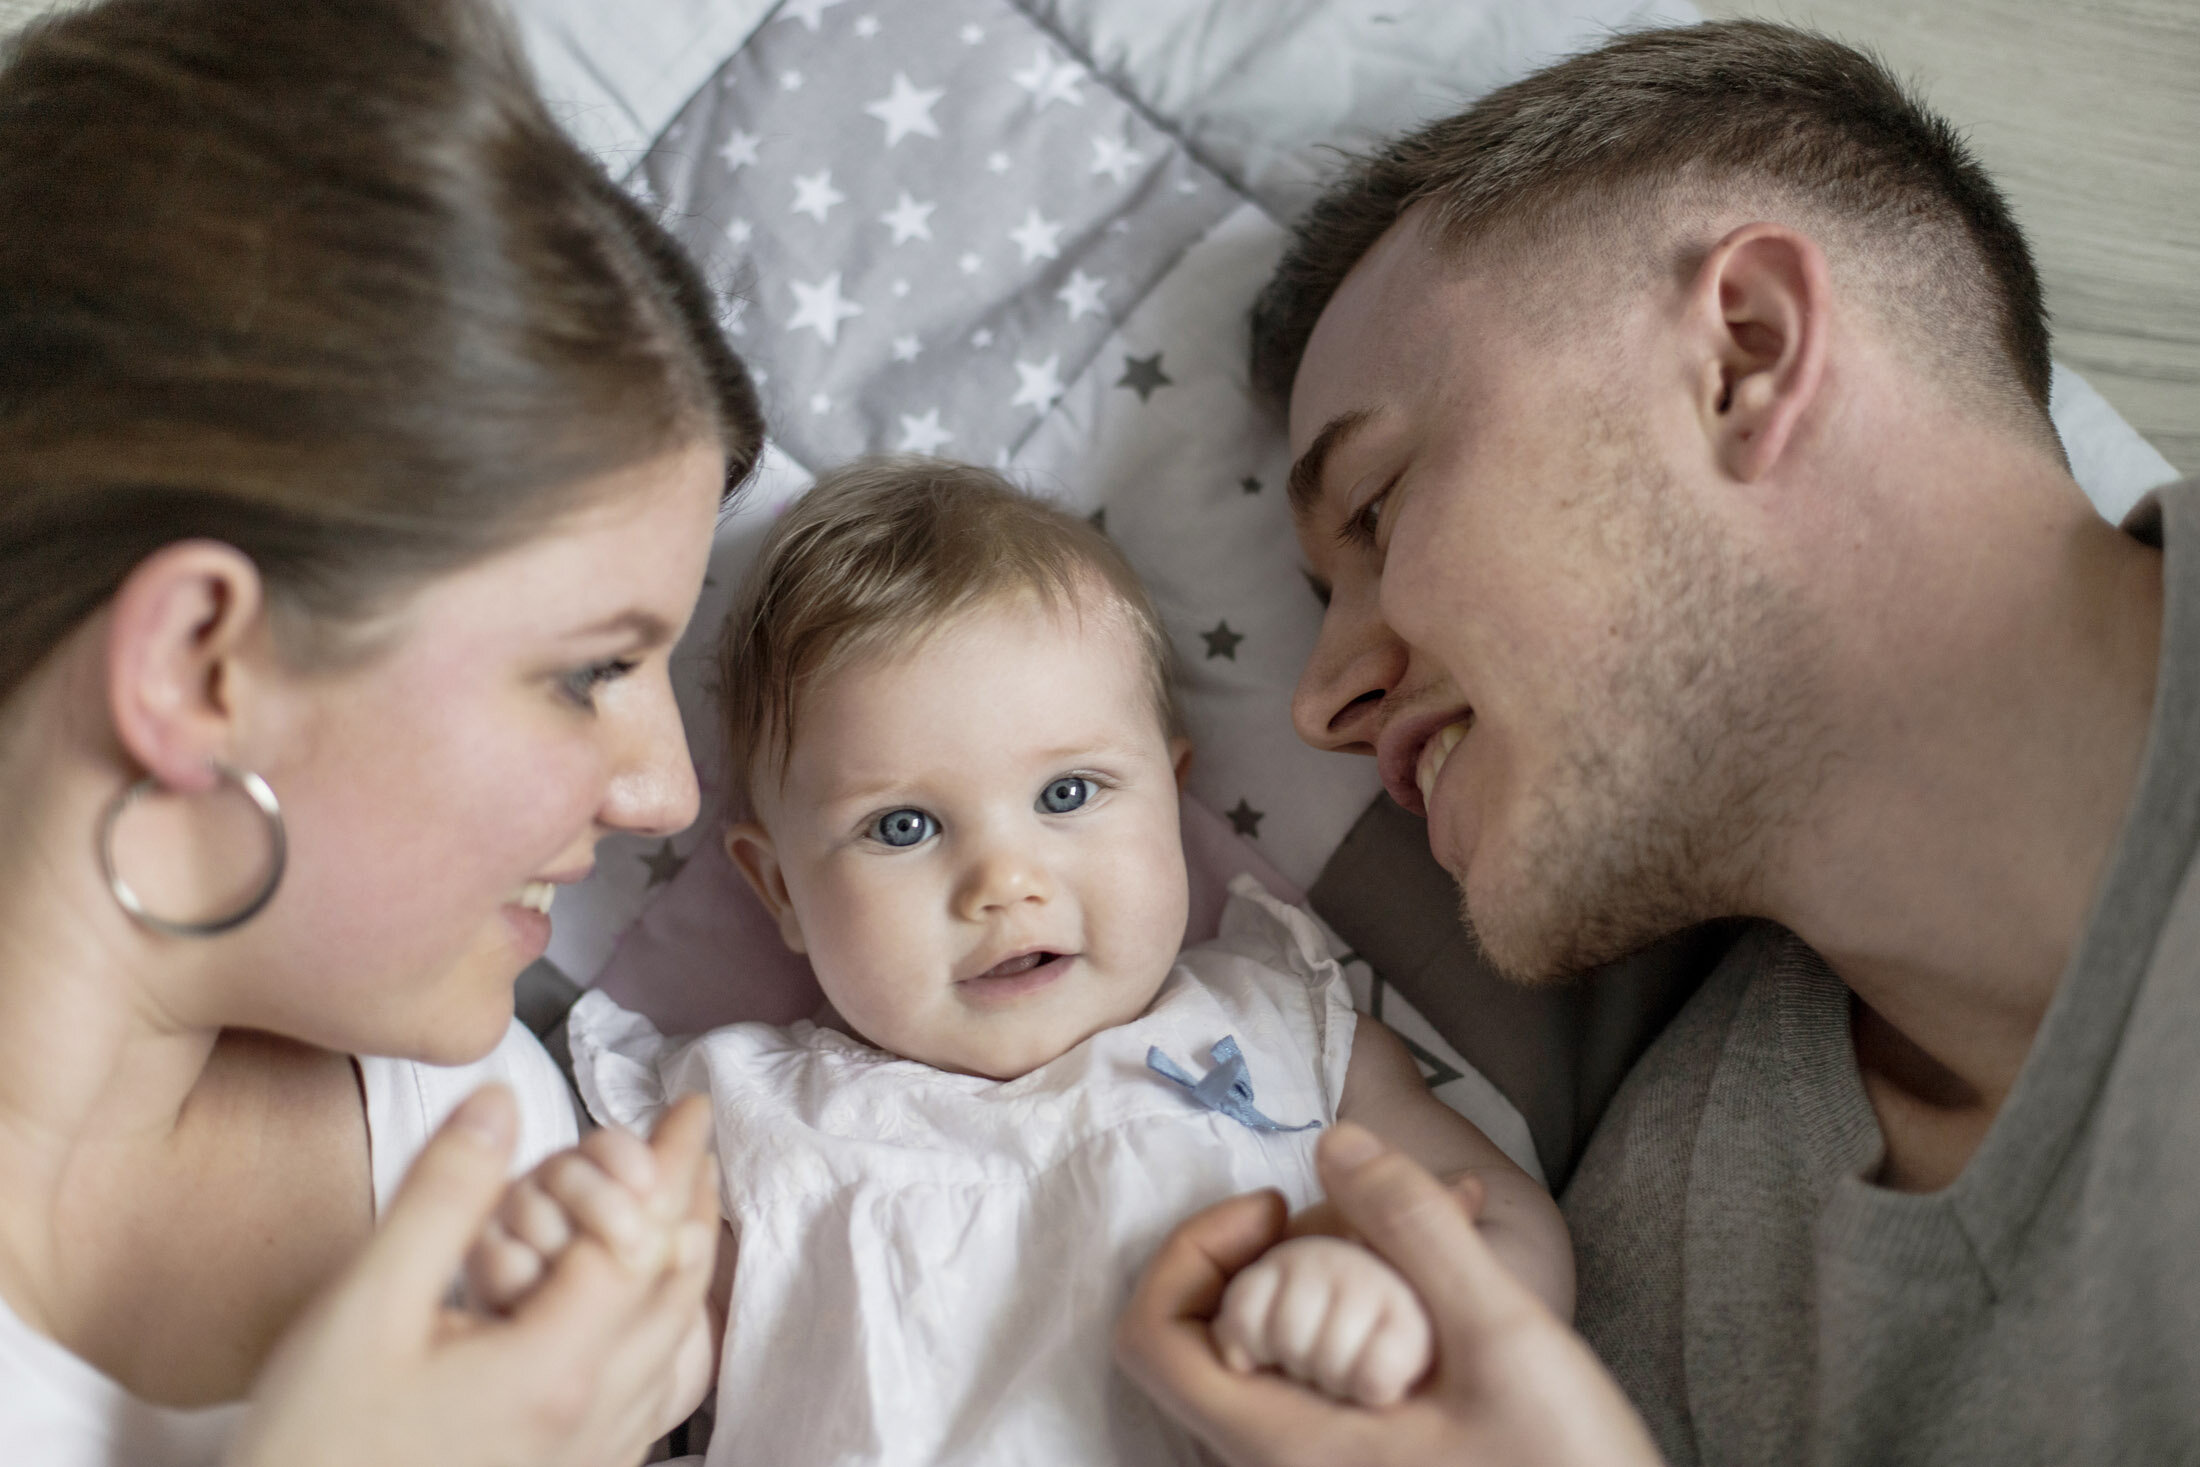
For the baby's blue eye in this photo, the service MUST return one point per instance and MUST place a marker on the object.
(903, 828)
(1065, 794)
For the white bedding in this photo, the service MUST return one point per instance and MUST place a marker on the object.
(1036, 226)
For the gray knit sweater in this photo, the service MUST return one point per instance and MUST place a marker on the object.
(1762, 1303)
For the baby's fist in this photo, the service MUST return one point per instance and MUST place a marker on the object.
(1331, 1314)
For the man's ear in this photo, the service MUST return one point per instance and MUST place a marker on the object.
(750, 846)
(177, 678)
(1762, 298)
(1180, 755)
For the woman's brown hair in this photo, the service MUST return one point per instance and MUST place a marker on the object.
(324, 282)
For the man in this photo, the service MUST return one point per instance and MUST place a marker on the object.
(1673, 455)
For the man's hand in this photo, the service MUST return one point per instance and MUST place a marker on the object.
(1511, 1383)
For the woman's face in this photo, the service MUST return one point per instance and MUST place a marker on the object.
(522, 712)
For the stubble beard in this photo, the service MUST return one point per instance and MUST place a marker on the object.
(1691, 754)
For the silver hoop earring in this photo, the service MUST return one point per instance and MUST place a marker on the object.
(255, 789)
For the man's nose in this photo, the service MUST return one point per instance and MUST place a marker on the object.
(1357, 662)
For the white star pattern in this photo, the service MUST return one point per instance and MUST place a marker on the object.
(922, 435)
(1050, 81)
(822, 308)
(867, 27)
(1187, 186)
(906, 110)
(907, 348)
(969, 264)
(1039, 385)
(809, 12)
(1036, 237)
(1115, 158)
(981, 338)
(900, 288)
(908, 219)
(815, 194)
(973, 35)
(738, 231)
(820, 403)
(996, 162)
(729, 316)
(1082, 294)
(790, 81)
(739, 149)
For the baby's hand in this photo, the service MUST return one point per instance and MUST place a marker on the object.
(1331, 1314)
(599, 1189)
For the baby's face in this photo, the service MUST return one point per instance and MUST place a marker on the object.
(977, 839)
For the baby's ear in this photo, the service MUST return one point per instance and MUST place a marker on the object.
(750, 846)
(1180, 755)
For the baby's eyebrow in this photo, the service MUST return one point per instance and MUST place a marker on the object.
(1305, 483)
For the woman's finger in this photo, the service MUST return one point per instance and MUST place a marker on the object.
(679, 1146)
(439, 1210)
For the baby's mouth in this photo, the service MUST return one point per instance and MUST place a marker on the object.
(1016, 967)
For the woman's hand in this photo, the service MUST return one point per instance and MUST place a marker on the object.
(1511, 1383)
(382, 1370)
(607, 1189)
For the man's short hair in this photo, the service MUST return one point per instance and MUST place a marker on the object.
(1601, 143)
(887, 550)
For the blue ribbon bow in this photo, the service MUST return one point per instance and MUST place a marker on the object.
(1227, 1090)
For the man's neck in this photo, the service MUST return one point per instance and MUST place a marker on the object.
(1994, 715)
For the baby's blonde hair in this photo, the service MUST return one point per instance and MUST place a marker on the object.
(880, 554)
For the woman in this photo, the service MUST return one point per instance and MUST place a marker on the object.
(360, 447)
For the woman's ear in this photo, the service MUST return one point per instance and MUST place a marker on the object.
(177, 679)
(1761, 300)
(750, 846)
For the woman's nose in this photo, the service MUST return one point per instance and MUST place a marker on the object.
(1357, 661)
(653, 790)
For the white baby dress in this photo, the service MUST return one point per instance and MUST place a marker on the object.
(931, 1264)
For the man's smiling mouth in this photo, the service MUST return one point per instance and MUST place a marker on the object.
(1435, 752)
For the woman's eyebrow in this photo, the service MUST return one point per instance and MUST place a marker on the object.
(1305, 483)
(648, 628)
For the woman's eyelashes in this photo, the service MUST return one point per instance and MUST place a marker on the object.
(581, 683)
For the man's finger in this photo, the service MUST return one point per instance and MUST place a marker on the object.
(440, 1208)
(1426, 1232)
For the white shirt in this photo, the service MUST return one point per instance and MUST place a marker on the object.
(930, 1264)
(58, 1411)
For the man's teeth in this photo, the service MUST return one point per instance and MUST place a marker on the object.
(1433, 755)
(537, 895)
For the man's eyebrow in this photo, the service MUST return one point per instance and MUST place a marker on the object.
(1305, 484)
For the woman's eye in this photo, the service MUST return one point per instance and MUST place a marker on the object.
(903, 828)
(581, 683)
(1065, 794)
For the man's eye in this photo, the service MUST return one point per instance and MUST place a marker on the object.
(1065, 794)
(1362, 527)
(902, 828)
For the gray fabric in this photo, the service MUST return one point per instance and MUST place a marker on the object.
(1557, 1052)
(1763, 1303)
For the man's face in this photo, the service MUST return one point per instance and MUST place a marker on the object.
(1536, 620)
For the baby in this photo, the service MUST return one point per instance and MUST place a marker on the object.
(950, 714)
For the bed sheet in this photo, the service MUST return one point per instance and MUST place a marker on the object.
(1026, 233)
